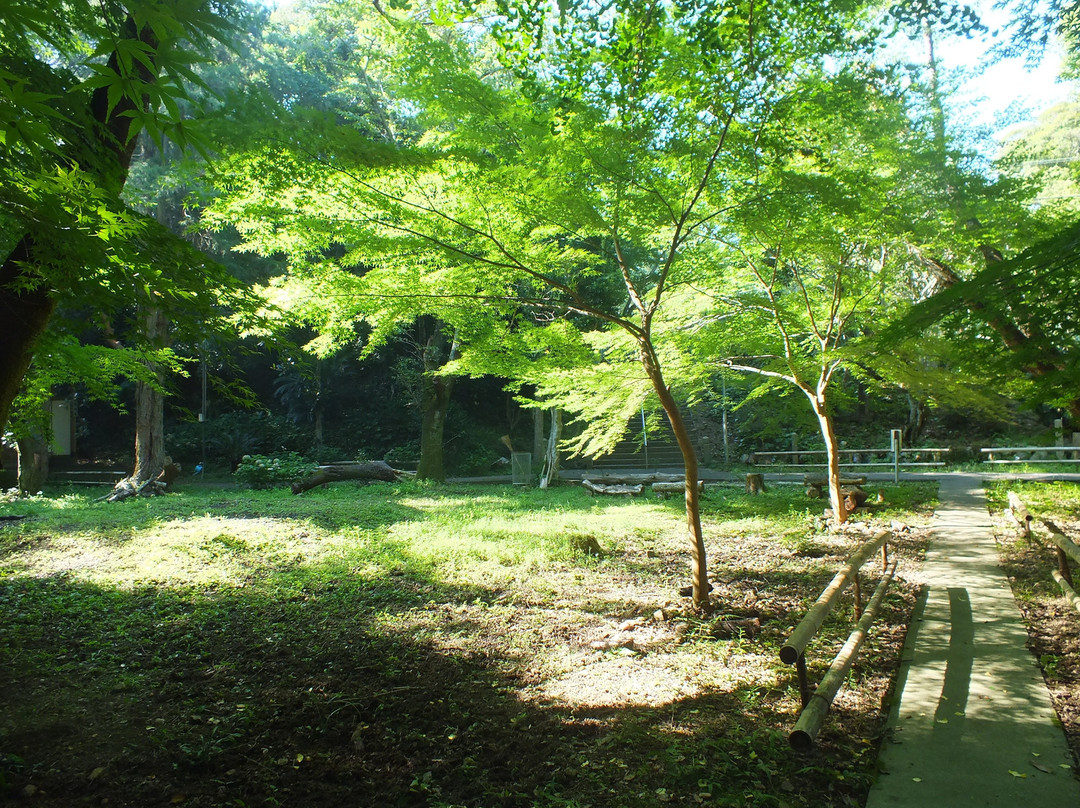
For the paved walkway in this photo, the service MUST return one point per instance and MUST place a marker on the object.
(973, 725)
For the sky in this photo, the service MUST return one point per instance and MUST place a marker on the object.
(1000, 93)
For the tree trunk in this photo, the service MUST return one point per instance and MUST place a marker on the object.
(150, 405)
(550, 474)
(435, 394)
(700, 568)
(26, 313)
(538, 433)
(915, 422)
(435, 397)
(33, 470)
(836, 497)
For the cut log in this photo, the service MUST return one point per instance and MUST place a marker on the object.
(819, 481)
(338, 472)
(853, 498)
(612, 490)
(755, 483)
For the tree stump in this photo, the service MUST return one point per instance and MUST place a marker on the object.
(853, 498)
(169, 473)
(755, 483)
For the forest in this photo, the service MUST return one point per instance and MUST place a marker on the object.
(246, 243)
(402, 233)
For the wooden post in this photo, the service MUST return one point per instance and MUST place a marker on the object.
(857, 592)
(1019, 513)
(1063, 566)
(1065, 548)
(804, 681)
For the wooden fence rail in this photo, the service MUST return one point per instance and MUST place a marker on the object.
(816, 704)
(855, 457)
(1064, 547)
(1030, 454)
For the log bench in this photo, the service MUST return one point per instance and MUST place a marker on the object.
(815, 484)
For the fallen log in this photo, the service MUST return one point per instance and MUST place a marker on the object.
(375, 470)
(635, 479)
(612, 490)
(664, 489)
(128, 487)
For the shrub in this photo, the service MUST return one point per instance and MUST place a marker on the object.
(262, 471)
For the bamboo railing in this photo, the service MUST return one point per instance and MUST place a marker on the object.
(1065, 549)
(816, 704)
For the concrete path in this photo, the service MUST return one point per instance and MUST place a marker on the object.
(973, 724)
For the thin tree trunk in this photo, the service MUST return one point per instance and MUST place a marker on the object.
(916, 421)
(836, 498)
(699, 558)
(550, 473)
(538, 433)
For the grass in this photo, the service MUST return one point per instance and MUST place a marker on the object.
(424, 645)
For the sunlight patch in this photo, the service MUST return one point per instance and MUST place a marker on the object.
(622, 681)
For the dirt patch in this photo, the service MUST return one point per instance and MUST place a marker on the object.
(1053, 624)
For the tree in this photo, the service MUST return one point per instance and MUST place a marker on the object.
(78, 82)
(809, 260)
(577, 152)
(976, 221)
(65, 361)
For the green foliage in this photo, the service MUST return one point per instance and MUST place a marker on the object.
(263, 471)
(230, 436)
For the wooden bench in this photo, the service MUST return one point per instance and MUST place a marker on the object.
(815, 484)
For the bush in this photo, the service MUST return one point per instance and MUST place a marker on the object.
(230, 436)
(261, 471)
